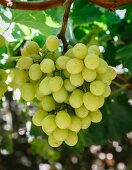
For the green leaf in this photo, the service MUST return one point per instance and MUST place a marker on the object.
(83, 12)
(124, 55)
(7, 142)
(33, 19)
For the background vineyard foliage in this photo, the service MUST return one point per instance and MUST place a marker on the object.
(89, 24)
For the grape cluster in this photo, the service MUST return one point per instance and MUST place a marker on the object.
(69, 88)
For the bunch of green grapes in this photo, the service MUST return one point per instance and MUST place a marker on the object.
(69, 88)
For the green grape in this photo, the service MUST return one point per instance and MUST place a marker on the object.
(24, 63)
(38, 117)
(47, 65)
(24, 53)
(81, 112)
(74, 66)
(32, 47)
(104, 77)
(44, 86)
(36, 57)
(53, 142)
(86, 122)
(96, 116)
(60, 134)
(103, 66)
(68, 86)
(75, 124)
(88, 75)
(48, 103)
(63, 119)
(71, 139)
(77, 79)
(76, 98)
(38, 95)
(67, 100)
(101, 101)
(80, 50)
(48, 124)
(28, 91)
(3, 88)
(61, 95)
(20, 77)
(2, 40)
(52, 43)
(107, 91)
(112, 73)
(91, 101)
(70, 53)
(94, 49)
(34, 72)
(3, 75)
(61, 62)
(55, 83)
(66, 73)
(97, 87)
(91, 61)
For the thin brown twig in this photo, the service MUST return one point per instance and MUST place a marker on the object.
(61, 35)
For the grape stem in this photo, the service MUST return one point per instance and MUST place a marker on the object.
(43, 5)
(61, 35)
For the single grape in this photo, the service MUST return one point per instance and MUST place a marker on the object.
(48, 103)
(76, 98)
(39, 95)
(103, 66)
(63, 119)
(52, 43)
(80, 50)
(81, 112)
(24, 52)
(36, 58)
(91, 101)
(53, 142)
(94, 49)
(75, 124)
(2, 40)
(66, 73)
(20, 77)
(61, 62)
(107, 91)
(48, 124)
(38, 117)
(32, 47)
(68, 86)
(34, 72)
(60, 134)
(61, 95)
(55, 83)
(77, 79)
(44, 86)
(3, 75)
(86, 122)
(96, 116)
(88, 75)
(101, 101)
(97, 87)
(112, 73)
(24, 63)
(47, 65)
(104, 77)
(70, 53)
(91, 61)
(28, 91)
(71, 139)
(74, 66)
